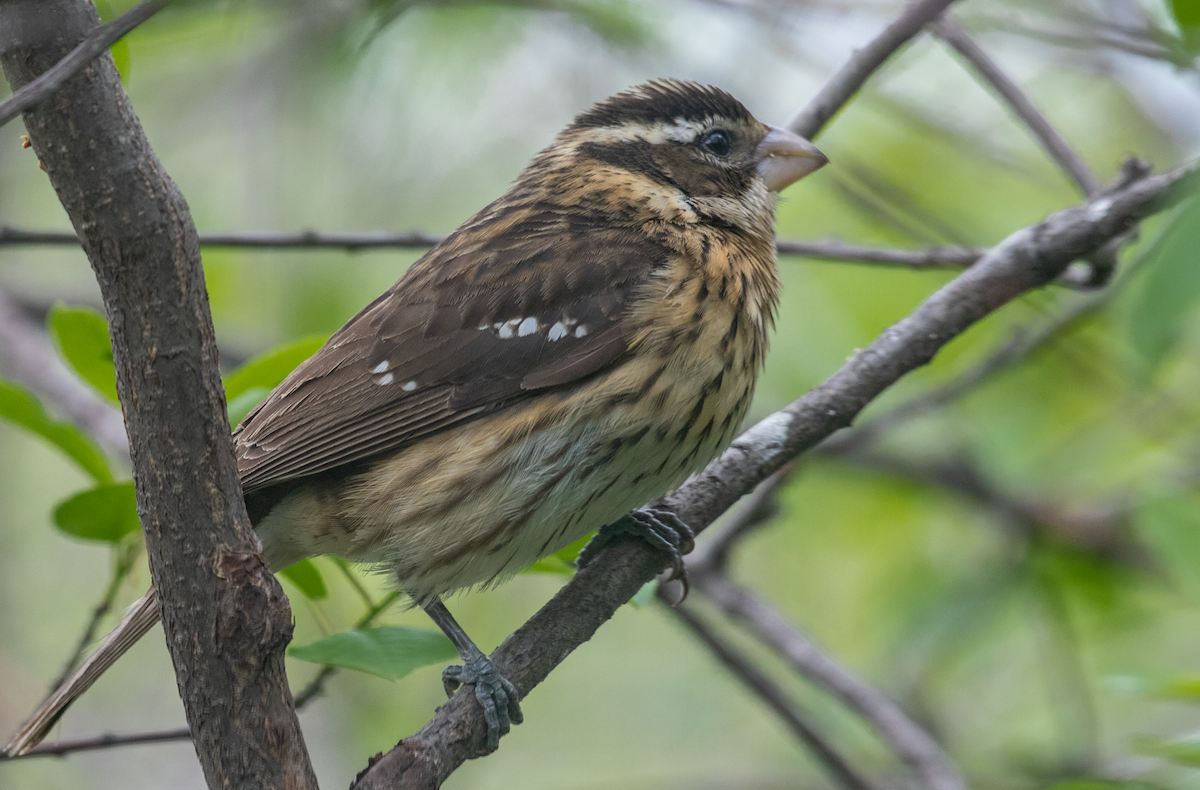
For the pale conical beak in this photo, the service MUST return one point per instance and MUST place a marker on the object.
(785, 158)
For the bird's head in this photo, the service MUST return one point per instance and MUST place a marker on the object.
(680, 151)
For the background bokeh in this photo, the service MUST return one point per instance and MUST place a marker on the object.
(1036, 649)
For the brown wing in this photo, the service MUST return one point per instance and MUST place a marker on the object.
(482, 321)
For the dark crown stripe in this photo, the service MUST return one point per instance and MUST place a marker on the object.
(663, 100)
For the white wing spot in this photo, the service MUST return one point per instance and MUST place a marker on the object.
(557, 332)
(505, 331)
(581, 330)
(527, 327)
(381, 367)
(386, 378)
(409, 386)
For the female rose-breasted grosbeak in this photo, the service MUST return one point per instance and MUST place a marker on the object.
(574, 350)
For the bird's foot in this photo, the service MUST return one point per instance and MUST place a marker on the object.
(662, 529)
(496, 694)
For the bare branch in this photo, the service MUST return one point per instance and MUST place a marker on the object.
(1028, 259)
(124, 558)
(1021, 345)
(948, 30)
(862, 64)
(95, 43)
(932, 258)
(314, 689)
(757, 681)
(903, 736)
(62, 748)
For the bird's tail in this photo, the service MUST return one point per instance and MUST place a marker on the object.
(133, 626)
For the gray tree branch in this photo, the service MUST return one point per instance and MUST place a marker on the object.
(97, 41)
(903, 736)
(862, 64)
(839, 770)
(948, 30)
(225, 617)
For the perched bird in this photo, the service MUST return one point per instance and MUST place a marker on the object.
(574, 350)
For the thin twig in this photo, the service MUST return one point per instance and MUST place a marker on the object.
(310, 692)
(775, 698)
(62, 748)
(862, 64)
(902, 735)
(94, 44)
(125, 557)
(932, 258)
(949, 31)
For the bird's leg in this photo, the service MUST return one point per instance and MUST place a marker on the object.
(497, 696)
(662, 529)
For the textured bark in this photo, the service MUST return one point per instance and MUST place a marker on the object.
(226, 619)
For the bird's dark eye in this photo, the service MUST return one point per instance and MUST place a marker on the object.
(716, 141)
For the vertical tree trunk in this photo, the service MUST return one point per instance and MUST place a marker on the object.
(226, 619)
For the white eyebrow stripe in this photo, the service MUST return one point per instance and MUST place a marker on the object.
(681, 131)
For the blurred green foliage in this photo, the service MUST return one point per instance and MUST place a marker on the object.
(1042, 625)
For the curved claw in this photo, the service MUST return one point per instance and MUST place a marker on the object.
(661, 528)
(497, 696)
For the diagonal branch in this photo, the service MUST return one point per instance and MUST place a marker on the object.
(766, 689)
(862, 64)
(1028, 259)
(903, 736)
(948, 30)
(94, 43)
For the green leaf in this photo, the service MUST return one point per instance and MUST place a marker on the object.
(243, 404)
(1184, 751)
(20, 407)
(106, 513)
(390, 652)
(645, 596)
(1171, 525)
(1177, 687)
(1169, 290)
(1187, 12)
(267, 370)
(562, 562)
(307, 578)
(81, 335)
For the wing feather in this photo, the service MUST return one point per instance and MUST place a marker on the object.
(480, 323)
